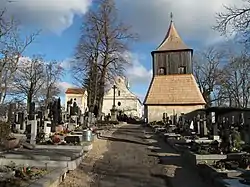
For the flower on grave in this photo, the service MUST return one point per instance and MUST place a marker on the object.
(56, 139)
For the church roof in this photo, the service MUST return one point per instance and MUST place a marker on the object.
(75, 91)
(174, 89)
(172, 41)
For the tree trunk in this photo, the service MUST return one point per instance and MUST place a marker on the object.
(29, 101)
(101, 91)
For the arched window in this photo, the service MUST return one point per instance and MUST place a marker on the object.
(162, 71)
(119, 93)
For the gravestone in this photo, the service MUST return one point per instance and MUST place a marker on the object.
(11, 113)
(47, 128)
(74, 109)
(203, 126)
(214, 126)
(32, 129)
(164, 117)
(32, 108)
(81, 119)
(198, 124)
(20, 120)
(54, 115)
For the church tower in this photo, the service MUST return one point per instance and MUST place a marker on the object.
(172, 56)
(173, 89)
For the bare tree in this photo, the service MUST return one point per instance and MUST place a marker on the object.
(53, 73)
(207, 71)
(236, 80)
(29, 78)
(99, 52)
(235, 20)
(12, 46)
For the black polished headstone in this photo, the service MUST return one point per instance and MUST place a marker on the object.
(59, 108)
(32, 108)
(96, 110)
(11, 114)
(21, 119)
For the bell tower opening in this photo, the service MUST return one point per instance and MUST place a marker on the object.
(162, 71)
(182, 70)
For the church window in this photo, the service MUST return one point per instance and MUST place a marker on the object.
(119, 103)
(182, 70)
(162, 71)
(119, 93)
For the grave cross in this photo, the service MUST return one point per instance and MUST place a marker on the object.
(114, 87)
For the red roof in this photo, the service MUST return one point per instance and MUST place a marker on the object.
(75, 91)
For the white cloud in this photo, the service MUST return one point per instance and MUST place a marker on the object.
(52, 15)
(136, 72)
(66, 64)
(193, 18)
(63, 86)
(150, 18)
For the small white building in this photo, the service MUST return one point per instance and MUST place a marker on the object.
(125, 101)
(79, 95)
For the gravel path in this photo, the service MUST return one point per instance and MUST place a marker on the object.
(131, 156)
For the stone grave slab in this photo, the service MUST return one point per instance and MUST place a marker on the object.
(42, 154)
(195, 159)
(69, 158)
(53, 178)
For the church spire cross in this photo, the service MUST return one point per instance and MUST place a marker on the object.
(171, 16)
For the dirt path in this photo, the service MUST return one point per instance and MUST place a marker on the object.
(128, 158)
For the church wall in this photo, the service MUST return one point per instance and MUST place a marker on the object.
(129, 106)
(129, 101)
(155, 113)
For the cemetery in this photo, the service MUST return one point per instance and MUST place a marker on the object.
(214, 141)
(39, 147)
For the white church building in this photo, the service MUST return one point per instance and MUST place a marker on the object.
(125, 101)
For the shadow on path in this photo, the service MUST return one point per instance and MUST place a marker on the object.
(126, 163)
(134, 160)
(119, 139)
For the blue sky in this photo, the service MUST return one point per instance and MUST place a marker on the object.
(60, 21)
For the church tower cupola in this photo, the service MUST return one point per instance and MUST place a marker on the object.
(172, 56)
